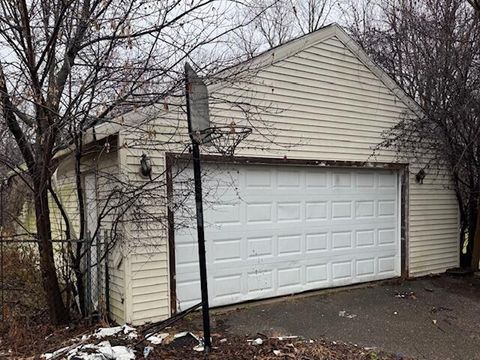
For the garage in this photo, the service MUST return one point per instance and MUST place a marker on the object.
(309, 200)
(275, 230)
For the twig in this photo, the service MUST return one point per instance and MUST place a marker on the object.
(153, 328)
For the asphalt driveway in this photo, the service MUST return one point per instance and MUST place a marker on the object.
(428, 318)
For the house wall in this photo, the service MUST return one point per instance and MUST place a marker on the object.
(321, 103)
(105, 166)
(146, 263)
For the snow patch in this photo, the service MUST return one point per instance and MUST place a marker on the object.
(102, 351)
(111, 331)
(157, 338)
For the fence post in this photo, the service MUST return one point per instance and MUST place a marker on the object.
(2, 280)
(98, 271)
(2, 275)
(107, 275)
(88, 277)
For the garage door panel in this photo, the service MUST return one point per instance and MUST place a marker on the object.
(227, 285)
(290, 246)
(315, 180)
(182, 232)
(289, 179)
(326, 193)
(260, 282)
(341, 240)
(189, 290)
(365, 180)
(284, 226)
(187, 253)
(386, 236)
(228, 250)
(297, 211)
(225, 214)
(185, 270)
(365, 267)
(365, 238)
(316, 210)
(260, 247)
(386, 208)
(276, 230)
(317, 274)
(364, 209)
(341, 179)
(289, 211)
(386, 180)
(258, 177)
(266, 264)
(259, 212)
(257, 263)
(342, 270)
(316, 241)
(290, 276)
(386, 264)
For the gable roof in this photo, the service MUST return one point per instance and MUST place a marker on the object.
(294, 46)
(279, 53)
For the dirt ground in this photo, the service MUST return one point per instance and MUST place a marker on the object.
(429, 318)
(224, 346)
(31, 344)
(272, 349)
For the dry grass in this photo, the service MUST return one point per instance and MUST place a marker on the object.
(22, 294)
(22, 290)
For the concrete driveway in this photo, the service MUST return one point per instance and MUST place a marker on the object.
(428, 318)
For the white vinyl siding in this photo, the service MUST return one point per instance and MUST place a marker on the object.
(146, 252)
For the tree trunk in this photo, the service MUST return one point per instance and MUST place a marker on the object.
(53, 297)
(471, 227)
(80, 290)
(476, 242)
(465, 258)
(77, 263)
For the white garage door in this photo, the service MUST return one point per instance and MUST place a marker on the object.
(276, 230)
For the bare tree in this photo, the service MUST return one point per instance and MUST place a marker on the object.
(278, 21)
(432, 49)
(475, 4)
(311, 15)
(70, 65)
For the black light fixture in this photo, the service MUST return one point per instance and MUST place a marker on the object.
(420, 176)
(146, 166)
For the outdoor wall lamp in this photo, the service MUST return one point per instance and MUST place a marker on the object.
(146, 166)
(420, 176)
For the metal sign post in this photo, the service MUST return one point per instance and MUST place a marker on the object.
(198, 108)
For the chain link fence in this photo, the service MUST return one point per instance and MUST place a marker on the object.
(21, 291)
(96, 277)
